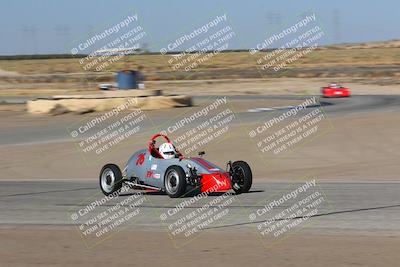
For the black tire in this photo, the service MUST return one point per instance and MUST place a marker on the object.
(245, 177)
(110, 179)
(175, 181)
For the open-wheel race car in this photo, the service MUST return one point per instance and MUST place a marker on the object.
(335, 90)
(164, 168)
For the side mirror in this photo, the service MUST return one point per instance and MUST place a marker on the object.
(201, 153)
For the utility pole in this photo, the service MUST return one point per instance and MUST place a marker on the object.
(29, 32)
(337, 38)
(63, 32)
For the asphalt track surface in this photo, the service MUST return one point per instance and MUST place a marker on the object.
(355, 206)
(365, 207)
(332, 107)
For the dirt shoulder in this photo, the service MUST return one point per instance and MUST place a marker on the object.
(259, 86)
(19, 247)
(281, 86)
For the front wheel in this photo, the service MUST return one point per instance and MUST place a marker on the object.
(175, 181)
(110, 179)
(242, 177)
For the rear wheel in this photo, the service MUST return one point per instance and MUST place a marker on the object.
(242, 177)
(110, 179)
(175, 181)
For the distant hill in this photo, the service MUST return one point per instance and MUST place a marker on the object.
(381, 44)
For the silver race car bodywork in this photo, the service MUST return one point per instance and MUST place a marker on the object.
(147, 169)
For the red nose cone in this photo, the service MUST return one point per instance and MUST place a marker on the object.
(215, 182)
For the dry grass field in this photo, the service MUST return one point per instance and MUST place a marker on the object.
(320, 58)
(355, 65)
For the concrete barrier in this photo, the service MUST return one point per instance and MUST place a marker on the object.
(112, 94)
(57, 106)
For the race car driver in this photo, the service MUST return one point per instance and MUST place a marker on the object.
(167, 150)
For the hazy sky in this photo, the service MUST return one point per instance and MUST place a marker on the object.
(57, 26)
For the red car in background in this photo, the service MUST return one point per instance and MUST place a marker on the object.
(335, 90)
